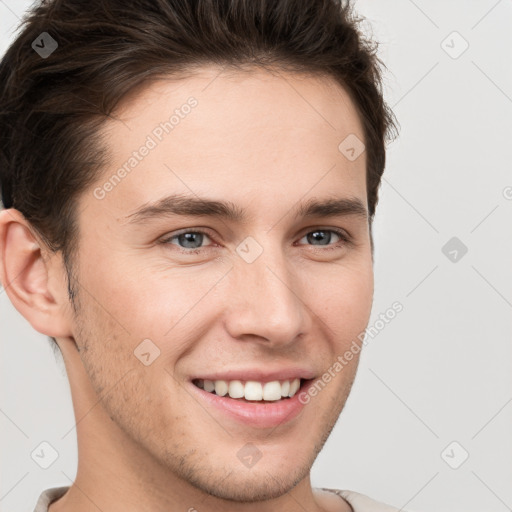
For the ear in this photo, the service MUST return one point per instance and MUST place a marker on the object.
(33, 276)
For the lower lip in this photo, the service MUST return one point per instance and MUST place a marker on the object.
(256, 414)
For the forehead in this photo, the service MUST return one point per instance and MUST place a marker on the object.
(317, 94)
(232, 133)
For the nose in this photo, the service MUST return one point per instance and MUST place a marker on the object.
(266, 301)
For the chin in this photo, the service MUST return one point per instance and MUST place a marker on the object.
(279, 469)
(252, 485)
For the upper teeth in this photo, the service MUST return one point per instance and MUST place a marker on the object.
(251, 390)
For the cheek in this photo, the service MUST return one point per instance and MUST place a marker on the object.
(148, 299)
(343, 298)
(155, 301)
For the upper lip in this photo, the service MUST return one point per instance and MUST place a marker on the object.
(259, 375)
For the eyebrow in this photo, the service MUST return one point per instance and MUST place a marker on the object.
(199, 207)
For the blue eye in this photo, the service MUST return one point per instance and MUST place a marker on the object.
(189, 239)
(324, 236)
(192, 241)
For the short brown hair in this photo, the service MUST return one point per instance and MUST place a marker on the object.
(51, 108)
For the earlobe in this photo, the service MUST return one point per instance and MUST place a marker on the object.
(29, 278)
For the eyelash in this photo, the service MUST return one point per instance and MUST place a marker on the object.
(345, 239)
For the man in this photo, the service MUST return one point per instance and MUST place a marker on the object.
(189, 189)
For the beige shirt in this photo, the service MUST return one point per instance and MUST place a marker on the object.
(358, 502)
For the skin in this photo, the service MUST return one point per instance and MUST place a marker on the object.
(265, 142)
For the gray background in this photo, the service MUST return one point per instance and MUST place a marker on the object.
(439, 372)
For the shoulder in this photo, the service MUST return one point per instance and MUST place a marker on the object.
(48, 496)
(362, 503)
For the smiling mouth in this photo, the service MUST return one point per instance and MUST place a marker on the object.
(252, 391)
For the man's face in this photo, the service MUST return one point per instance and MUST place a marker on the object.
(273, 296)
